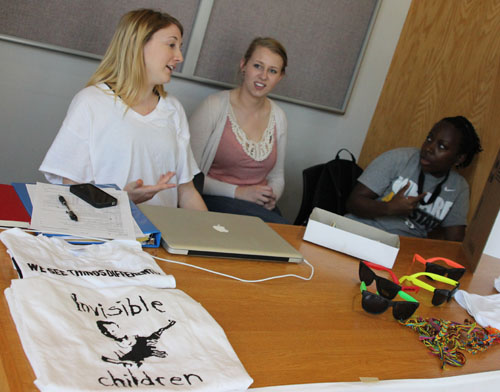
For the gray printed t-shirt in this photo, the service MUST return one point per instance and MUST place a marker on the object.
(391, 171)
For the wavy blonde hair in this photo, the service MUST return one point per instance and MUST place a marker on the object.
(122, 66)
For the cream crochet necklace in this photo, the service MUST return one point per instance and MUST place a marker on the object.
(260, 150)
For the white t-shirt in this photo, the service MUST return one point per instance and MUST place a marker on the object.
(102, 142)
(111, 264)
(122, 338)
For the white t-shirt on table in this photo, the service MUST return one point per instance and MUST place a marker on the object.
(111, 264)
(121, 338)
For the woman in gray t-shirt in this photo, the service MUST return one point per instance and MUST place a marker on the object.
(410, 192)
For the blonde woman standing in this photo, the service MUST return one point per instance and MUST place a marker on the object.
(239, 138)
(123, 128)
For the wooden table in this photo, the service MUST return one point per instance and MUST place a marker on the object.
(289, 331)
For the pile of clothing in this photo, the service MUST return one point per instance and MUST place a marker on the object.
(100, 317)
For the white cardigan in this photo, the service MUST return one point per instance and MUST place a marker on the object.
(206, 125)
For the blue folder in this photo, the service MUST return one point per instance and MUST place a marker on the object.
(144, 223)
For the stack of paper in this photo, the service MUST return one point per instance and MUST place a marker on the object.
(50, 215)
(57, 221)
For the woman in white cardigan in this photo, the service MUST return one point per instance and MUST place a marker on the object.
(238, 138)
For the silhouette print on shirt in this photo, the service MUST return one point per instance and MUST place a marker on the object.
(133, 349)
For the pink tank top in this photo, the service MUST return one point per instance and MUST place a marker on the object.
(233, 164)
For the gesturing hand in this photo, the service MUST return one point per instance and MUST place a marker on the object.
(262, 195)
(403, 206)
(139, 193)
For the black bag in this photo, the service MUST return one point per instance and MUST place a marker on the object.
(336, 182)
(328, 186)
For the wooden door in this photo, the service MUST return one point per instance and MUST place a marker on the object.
(447, 63)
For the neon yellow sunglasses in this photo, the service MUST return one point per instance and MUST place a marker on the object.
(440, 295)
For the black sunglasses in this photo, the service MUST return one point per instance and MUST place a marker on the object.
(443, 295)
(376, 304)
(454, 270)
(385, 287)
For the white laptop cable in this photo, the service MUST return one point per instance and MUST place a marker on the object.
(241, 279)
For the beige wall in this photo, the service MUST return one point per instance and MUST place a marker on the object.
(37, 85)
(447, 63)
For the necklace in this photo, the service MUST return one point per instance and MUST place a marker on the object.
(260, 150)
(435, 192)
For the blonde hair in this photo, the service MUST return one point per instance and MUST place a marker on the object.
(269, 43)
(122, 66)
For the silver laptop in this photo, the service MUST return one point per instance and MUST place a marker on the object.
(214, 234)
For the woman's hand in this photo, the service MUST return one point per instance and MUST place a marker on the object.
(139, 193)
(271, 204)
(404, 206)
(362, 202)
(262, 195)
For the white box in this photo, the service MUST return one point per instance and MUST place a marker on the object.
(354, 238)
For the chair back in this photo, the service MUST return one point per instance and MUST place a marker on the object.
(328, 186)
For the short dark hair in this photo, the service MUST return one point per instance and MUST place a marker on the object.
(470, 145)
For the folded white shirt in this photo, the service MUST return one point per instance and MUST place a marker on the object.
(130, 337)
(111, 264)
